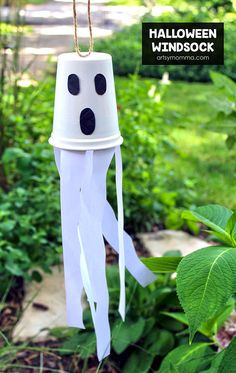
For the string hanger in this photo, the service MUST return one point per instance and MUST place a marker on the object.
(76, 40)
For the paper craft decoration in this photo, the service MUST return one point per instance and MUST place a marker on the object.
(85, 138)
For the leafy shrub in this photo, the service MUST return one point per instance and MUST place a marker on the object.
(205, 288)
(224, 105)
(30, 217)
(125, 47)
(29, 213)
(29, 207)
(145, 336)
(147, 158)
(155, 335)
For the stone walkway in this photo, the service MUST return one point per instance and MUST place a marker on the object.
(36, 321)
(52, 26)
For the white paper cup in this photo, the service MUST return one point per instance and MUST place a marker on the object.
(85, 110)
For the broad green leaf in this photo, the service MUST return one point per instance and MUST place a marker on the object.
(224, 362)
(11, 154)
(172, 253)
(160, 294)
(63, 332)
(231, 226)
(221, 237)
(7, 226)
(223, 104)
(159, 342)
(227, 364)
(139, 361)
(214, 217)
(206, 280)
(14, 268)
(164, 264)
(124, 334)
(170, 323)
(215, 364)
(82, 343)
(223, 81)
(212, 326)
(188, 359)
(181, 317)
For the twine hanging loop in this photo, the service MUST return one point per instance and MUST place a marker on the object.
(76, 39)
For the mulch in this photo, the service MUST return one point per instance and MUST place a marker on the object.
(31, 361)
(10, 313)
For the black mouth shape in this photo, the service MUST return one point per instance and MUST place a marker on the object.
(87, 121)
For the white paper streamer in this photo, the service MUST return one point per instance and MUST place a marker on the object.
(132, 262)
(120, 231)
(70, 163)
(94, 257)
(86, 217)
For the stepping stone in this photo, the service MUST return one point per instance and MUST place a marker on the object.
(44, 307)
(157, 243)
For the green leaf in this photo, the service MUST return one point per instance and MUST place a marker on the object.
(124, 334)
(212, 326)
(172, 253)
(223, 104)
(231, 141)
(7, 226)
(83, 343)
(205, 282)
(231, 226)
(187, 359)
(224, 361)
(181, 317)
(165, 264)
(63, 333)
(36, 276)
(214, 217)
(14, 268)
(227, 364)
(159, 342)
(12, 154)
(221, 237)
(215, 364)
(139, 361)
(223, 81)
(171, 323)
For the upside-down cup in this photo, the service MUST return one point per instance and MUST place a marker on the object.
(85, 111)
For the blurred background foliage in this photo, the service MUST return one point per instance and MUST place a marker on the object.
(177, 151)
(126, 47)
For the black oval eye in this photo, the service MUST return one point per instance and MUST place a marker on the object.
(73, 84)
(100, 84)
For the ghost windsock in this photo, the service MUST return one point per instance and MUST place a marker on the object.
(85, 138)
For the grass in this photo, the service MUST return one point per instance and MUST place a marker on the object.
(202, 156)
